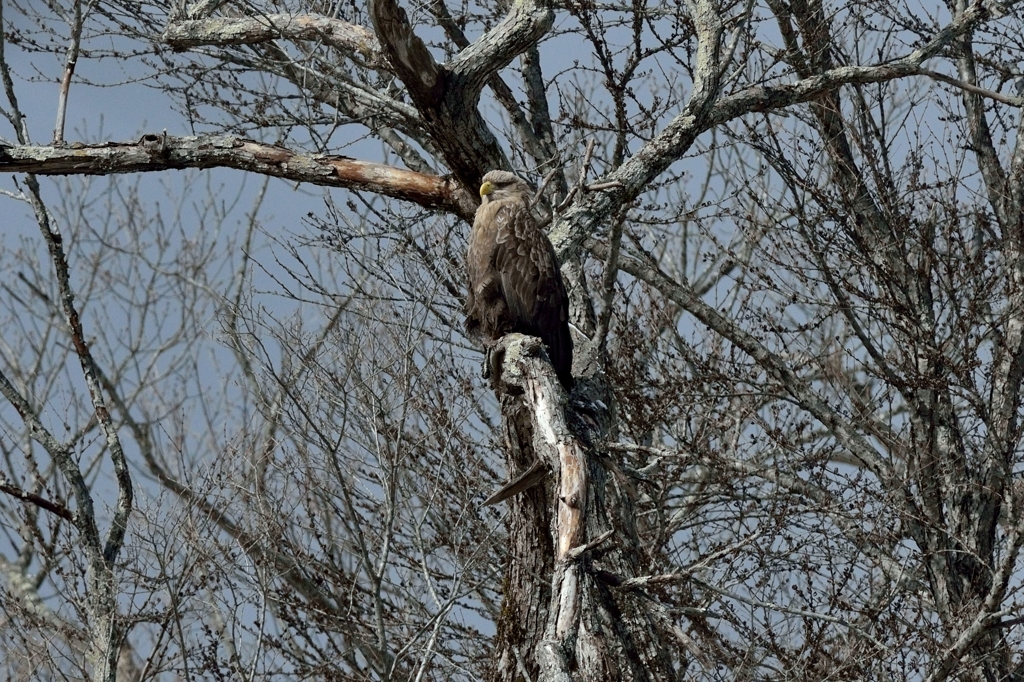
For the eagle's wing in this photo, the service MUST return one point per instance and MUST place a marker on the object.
(532, 283)
(522, 262)
(486, 312)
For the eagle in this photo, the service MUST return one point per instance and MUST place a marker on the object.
(515, 284)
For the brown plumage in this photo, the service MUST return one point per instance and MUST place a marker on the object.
(514, 281)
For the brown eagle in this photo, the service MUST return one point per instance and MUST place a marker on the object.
(514, 281)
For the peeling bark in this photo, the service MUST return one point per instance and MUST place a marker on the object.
(154, 152)
(561, 617)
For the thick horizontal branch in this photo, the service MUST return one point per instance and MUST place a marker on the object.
(224, 31)
(164, 152)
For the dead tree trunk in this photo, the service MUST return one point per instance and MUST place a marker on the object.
(569, 611)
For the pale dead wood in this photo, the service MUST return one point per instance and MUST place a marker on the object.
(155, 152)
(588, 539)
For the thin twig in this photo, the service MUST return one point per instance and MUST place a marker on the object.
(69, 70)
(795, 612)
(15, 116)
(568, 199)
(585, 166)
(584, 169)
(521, 664)
(577, 552)
(36, 430)
(261, 624)
(970, 87)
(543, 186)
(687, 573)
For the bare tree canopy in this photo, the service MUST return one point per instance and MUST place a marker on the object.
(243, 435)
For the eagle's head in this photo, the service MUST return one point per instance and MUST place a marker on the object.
(499, 184)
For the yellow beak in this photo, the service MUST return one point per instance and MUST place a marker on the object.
(486, 189)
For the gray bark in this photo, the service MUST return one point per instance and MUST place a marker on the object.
(572, 539)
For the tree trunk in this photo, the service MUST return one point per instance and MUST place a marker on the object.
(567, 613)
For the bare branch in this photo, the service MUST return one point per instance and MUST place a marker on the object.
(449, 105)
(700, 115)
(522, 27)
(502, 92)
(38, 500)
(773, 365)
(1017, 102)
(69, 70)
(225, 31)
(163, 152)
